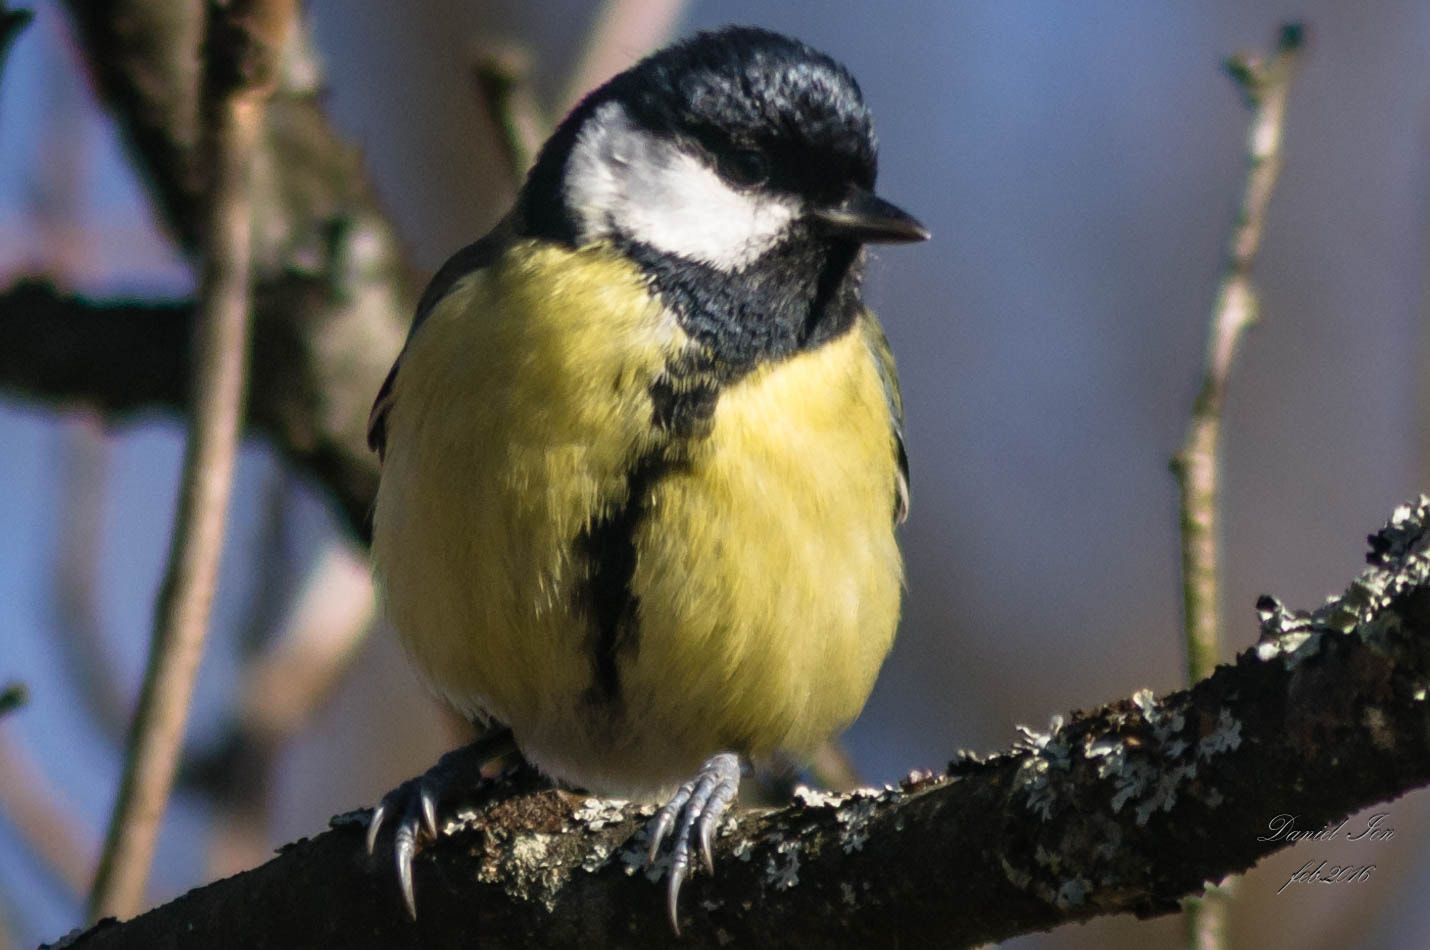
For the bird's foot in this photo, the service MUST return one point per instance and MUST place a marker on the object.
(693, 813)
(417, 803)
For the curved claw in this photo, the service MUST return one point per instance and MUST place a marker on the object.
(374, 825)
(699, 805)
(419, 801)
(427, 795)
(665, 818)
(672, 895)
(404, 847)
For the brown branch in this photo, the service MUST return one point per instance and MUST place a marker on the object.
(1127, 808)
(243, 47)
(122, 358)
(116, 357)
(333, 293)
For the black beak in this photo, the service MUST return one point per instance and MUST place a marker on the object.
(869, 219)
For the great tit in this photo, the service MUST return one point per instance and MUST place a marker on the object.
(642, 457)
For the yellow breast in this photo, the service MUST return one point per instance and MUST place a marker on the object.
(766, 576)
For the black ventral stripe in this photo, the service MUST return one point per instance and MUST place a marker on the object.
(608, 544)
(683, 403)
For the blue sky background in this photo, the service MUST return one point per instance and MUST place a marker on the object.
(1078, 165)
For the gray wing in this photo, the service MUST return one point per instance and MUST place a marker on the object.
(473, 257)
(888, 375)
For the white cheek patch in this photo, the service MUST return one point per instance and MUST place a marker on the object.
(623, 181)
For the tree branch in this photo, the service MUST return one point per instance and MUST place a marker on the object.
(333, 290)
(243, 40)
(122, 358)
(1127, 808)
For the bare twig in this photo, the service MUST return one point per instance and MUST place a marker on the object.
(1122, 809)
(1197, 465)
(243, 48)
(1264, 83)
(622, 32)
(503, 81)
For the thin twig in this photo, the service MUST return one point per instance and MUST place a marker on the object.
(622, 31)
(1263, 83)
(242, 53)
(503, 81)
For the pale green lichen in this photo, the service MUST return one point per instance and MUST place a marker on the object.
(1225, 737)
(855, 818)
(597, 857)
(531, 868)
(1153, 784)
(1049, 751)
(1400, 563)
(783, 875)
(814, 798)
(634, 857)
(597, 813)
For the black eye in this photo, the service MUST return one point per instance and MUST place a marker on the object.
(745, 167)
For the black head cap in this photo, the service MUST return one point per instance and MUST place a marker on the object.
(733, 92)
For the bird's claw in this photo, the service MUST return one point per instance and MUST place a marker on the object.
(418, 800)
(415, 801)
(693, 813)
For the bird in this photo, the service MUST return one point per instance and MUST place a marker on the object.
(642, 454)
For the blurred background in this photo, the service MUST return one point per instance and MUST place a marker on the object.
(1079, 166)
